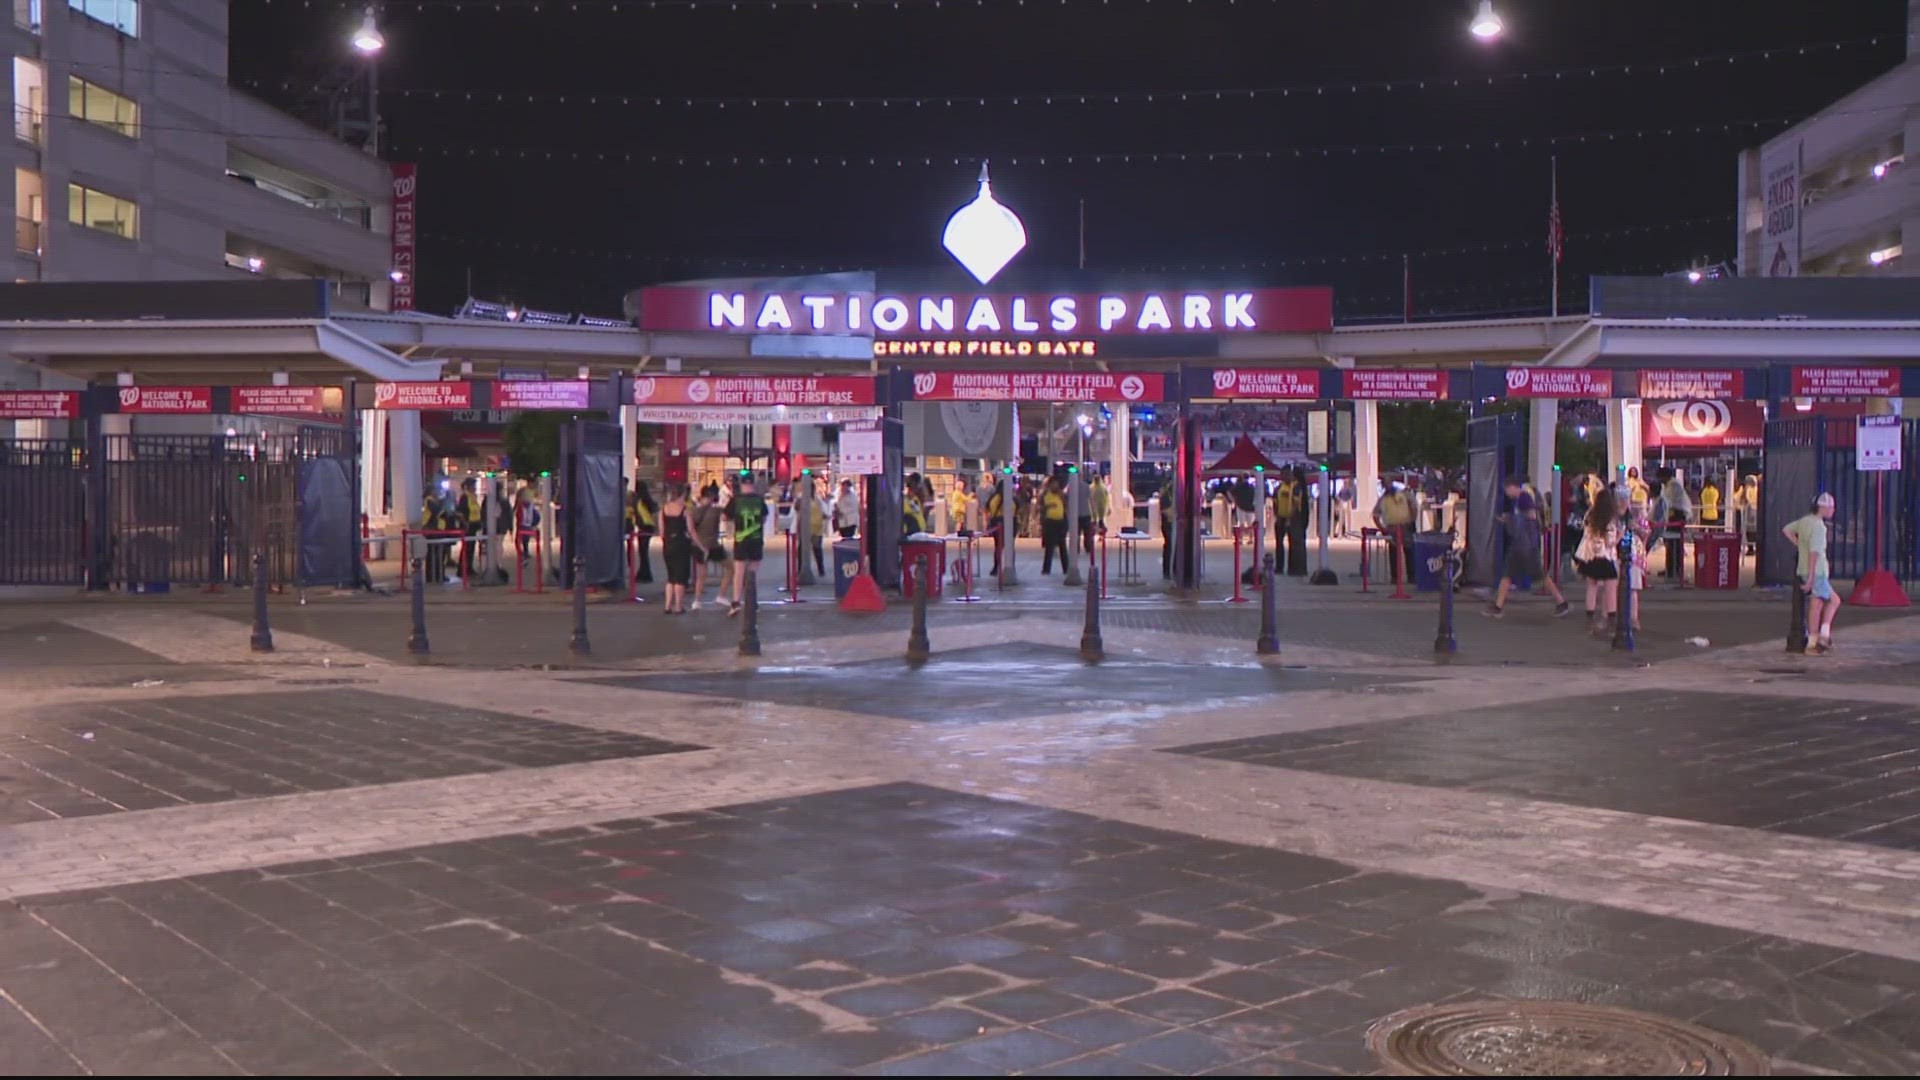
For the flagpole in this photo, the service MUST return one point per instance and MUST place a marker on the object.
(1555, 254)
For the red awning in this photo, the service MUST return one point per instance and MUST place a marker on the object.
(1242, 458)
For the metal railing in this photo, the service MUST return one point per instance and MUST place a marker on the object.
(28, 124)
(26, 236)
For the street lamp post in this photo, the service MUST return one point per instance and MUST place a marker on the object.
(368, 41)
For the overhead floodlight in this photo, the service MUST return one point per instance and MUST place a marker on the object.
(1886, 255)
(368, 39)
(1694, 276)
(1487, 24)
(984, 235)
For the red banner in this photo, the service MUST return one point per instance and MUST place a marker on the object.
(166, 399)
(1037, 386)
(753, 390)
(1267, 384)
(1536, 382)
(1396, 384)
(1843, 382)
(754, 307)
(282, 400)
(1679, 385)
(423, 395)
(568, 395)
(1706, 425)
(406, 178)
(39, 404)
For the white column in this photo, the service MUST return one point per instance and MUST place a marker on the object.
(1366, 460)
(1119, 468)
(113, 425)
(1630, 435)
(630, 444)
(1544, 417)
(1616, 440)
(373, 466)
(406, 462)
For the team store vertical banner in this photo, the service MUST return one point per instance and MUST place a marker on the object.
(406, 181)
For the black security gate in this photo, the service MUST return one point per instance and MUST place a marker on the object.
(1805, 457)
(592, 501)
(1496, 449)
(154, 511)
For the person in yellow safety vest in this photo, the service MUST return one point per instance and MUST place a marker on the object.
(471, 512)
(1393, 515)
(817, 529)
(1100, 502)
(1285, 494)
(434, 517)
(1053, 525)
(643, 521)
(913, 513)
(995, 522)
(1709, 503)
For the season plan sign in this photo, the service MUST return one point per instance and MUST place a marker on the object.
(753, 390)
(934, 315)
(1037, 386)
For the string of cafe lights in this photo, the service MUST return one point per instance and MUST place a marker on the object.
(730, 262)
(696, 159)
(1060, 97)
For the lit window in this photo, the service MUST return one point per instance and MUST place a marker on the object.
(122, 15)
(99, 210)
(99, 105)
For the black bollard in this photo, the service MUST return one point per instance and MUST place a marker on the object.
(578, 645)
(918, 648)
(417, 641)
(750, 616)
(1623, 592)
(1269, 643)
(262, 636)
(1091, 647)
(1443, 641)
(1797, 619)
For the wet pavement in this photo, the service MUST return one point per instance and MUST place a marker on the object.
(1007, 860)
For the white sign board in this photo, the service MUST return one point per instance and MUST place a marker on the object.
(861, 452)
(1780, 195)
(1876, 444)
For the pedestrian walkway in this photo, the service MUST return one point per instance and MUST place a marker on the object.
(826, 860)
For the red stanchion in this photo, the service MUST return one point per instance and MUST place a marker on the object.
(793, 571)
(1399, 556)
(1367, 538)
(1878, 587)
(520, 561)
(1236, 598)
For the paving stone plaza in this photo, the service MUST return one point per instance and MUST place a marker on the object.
(663, 858)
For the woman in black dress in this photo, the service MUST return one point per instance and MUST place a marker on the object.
(676, 548)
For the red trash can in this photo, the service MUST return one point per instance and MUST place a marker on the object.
(1716, 560)
(911, 552)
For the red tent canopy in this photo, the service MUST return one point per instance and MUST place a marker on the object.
(1241, 459)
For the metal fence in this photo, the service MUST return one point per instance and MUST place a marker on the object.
(142, 511)
(1805, 457)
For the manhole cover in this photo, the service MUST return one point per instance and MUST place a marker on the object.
(1554, 1038)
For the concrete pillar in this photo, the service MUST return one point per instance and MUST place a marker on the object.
(114, 426)
(405, 462)
(630, 444)
(1544, 421)
(1366, 461)
(1119, 468)
(373, 466)
(1623, 437)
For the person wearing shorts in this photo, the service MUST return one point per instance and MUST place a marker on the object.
(1522, 525)
(1809, 536)
(748, 514)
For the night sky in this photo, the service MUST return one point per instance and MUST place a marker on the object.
(537, 200)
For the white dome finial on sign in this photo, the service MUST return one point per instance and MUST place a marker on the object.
(984, 235)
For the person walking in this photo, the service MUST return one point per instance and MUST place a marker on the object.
(1596, 558)
(1053, 526)
(1809, 536)
(676, 549)
(1521, 522)
(705, 526)
(748, 515)
(1285, 494)
(846, 511)
(644, 514)
(1296, 523)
